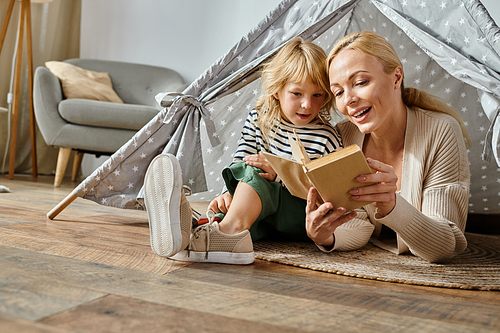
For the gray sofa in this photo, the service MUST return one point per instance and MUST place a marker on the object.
(89, 126)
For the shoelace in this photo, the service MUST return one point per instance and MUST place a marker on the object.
(207, 229)
(187, 193)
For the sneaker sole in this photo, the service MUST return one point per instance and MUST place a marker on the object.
(162, 197)
(215, 257)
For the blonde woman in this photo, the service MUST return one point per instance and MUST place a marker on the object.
(414, 142)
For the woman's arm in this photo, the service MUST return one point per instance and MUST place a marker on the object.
(433, 224)
(334, 229)
(433, 233)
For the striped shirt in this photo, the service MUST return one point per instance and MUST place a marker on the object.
(318, 139)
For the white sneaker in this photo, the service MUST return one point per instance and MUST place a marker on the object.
(169, 212)
(209, 244)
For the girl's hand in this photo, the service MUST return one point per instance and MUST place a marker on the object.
(321, 221)
(383, 193)
(260, 161)
(221, 203)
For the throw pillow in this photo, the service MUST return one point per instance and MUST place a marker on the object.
(81, 83)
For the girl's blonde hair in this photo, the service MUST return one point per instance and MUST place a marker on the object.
(373, 44)
(298, 61)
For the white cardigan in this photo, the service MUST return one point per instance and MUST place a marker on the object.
(431, 208)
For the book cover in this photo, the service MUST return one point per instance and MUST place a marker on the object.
(333, 175)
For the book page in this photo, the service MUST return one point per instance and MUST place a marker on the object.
(336, 155)
(291, 173)
(298, 151)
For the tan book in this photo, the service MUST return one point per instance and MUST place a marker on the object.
(333, 175)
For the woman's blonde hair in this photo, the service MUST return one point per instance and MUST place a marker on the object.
(298, 61)
(375, 45)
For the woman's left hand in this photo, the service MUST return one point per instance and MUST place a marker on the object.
(383, 193)
(260, 161)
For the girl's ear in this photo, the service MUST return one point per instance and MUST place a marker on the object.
(398, 77)
(276, 96)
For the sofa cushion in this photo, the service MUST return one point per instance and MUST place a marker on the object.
(106, 114)
(81, 83)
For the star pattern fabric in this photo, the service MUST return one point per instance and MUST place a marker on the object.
(448, 48)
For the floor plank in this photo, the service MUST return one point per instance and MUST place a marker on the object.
(122, 315)
(26, 293)
(492, 298)
(422, 302)
(259, 298)
(124, 257)
(12, 324)
(92, 270)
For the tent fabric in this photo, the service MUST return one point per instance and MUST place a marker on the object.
(449, 49)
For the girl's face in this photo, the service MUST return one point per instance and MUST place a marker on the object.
(364, 93)
(300, 102)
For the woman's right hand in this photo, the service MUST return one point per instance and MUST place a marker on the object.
(383, 192)
(221, 203)
(321, 221)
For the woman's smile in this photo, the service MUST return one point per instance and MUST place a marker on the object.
(361, 113)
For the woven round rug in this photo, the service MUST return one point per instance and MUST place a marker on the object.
(478, 267)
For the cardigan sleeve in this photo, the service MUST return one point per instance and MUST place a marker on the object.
(435, 232)
(353, 234)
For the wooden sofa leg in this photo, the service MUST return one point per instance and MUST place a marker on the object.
(62, 163)
(77, 163)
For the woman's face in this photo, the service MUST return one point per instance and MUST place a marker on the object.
(364, 93)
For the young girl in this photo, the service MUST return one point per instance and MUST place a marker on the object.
(295, 96)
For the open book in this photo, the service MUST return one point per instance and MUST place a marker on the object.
(333, 175)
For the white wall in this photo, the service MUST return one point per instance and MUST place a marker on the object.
(493, 8)
(185, 35)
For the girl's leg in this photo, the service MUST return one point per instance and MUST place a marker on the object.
(169, 212)
(170, 220)
(244, 210)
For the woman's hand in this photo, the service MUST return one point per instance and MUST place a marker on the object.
(221, 203)
(383, 193)
(321, 221)
(260, 161)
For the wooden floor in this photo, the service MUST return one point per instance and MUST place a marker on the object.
(92, 270)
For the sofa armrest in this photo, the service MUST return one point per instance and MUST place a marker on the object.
(47, 93)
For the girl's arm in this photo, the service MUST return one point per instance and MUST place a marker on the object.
(221, 203)
(260, 161)
(247, 145)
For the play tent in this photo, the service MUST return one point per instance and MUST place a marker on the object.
(448, 48)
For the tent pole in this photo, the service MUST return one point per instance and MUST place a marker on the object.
(60, 206)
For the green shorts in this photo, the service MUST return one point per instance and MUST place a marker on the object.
(283, 216)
